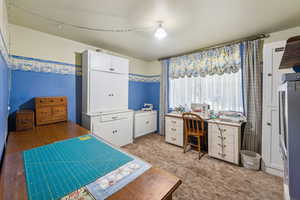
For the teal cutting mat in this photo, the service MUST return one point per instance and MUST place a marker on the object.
(55, 170)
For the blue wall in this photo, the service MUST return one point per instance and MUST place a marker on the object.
(26, 85)
(143, 92)
(4, 75)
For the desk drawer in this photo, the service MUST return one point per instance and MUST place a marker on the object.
(174, 131)
(174, 122)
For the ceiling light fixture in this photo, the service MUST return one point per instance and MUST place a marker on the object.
(160, 32)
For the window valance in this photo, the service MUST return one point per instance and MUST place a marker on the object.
(222, 60)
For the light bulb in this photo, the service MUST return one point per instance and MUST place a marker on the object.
(160, 33)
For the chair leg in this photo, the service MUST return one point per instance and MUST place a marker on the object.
(199, 143)
(185, 144)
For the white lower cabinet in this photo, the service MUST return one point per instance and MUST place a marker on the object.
(174, 130)
(144, 123)
(224, 142)
(115, 128)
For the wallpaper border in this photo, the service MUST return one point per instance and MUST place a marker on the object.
(49, 66)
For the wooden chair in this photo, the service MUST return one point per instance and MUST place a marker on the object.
(193, 126)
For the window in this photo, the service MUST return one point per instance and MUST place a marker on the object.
(221, 92)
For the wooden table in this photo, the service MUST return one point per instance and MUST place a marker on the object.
(153, 184)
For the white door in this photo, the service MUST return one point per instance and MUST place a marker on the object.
(108, 91)
(271, 80)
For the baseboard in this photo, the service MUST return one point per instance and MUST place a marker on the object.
(273, 171)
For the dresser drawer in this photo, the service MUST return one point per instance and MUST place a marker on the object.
(49, 101)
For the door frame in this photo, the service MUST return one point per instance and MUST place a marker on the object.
(268, 108)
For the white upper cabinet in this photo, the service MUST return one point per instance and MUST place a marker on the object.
(104, 83)
(108, 92)
(119, 65)
(108, 63)
(99, 61)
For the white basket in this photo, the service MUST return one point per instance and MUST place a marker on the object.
(250, 159)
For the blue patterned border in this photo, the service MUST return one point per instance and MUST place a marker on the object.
(39, 65)
(49, 66)
(144, 78)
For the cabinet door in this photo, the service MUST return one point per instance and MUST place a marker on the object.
(43, 115)
(118, 132)
(119, 65)
(108, 91)
(99, 61)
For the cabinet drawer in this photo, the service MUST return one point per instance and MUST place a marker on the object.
(144, 124)
(174, 122)
(112, 117)
(174, 132)
(174, 138)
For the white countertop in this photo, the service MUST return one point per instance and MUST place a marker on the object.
(206, 118)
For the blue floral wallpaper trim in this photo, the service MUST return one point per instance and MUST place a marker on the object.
(39, 65)
(48, 66)
(144, 78)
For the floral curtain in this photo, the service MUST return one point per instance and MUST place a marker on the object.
(215, 61)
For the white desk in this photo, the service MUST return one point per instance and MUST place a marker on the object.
(224, 138)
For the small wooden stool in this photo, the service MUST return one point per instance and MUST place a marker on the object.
(24, 120)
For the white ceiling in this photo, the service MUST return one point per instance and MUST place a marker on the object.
(191, 24)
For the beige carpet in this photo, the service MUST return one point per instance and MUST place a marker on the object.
(207, 178)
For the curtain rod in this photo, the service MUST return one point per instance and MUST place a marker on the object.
(255, 37)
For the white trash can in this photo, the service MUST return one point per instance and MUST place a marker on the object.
(250, 160)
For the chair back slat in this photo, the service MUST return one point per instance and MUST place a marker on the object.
(193, 123)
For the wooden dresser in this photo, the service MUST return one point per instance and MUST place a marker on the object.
(50, 110)
(24, 120)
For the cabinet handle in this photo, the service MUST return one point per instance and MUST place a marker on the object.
(114, 117)
(223, 146)
(147, 122)
(269, 124)
(174, 122)
(173, 129)
(222, 154)
(222, 138)
(111, 69)
(173, 138)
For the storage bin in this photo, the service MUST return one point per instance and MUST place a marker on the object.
(250, 160)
